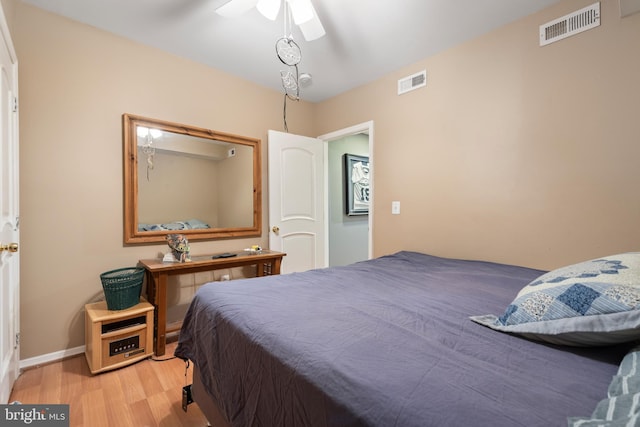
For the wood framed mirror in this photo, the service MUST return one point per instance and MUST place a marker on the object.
(184, 179)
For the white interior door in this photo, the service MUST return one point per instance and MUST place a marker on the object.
(9, 217)
(296, 200)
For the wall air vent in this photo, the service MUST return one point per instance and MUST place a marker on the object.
(412, 82)
(571, 24)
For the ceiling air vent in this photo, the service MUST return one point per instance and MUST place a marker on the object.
(571, 24)
(412, 82)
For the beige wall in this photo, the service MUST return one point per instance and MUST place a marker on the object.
(162, 198)
(513, 152)
(236, 189)
(75, 83)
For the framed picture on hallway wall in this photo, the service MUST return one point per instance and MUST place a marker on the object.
(356, 178)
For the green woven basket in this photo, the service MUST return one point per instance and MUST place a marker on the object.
(122, 287)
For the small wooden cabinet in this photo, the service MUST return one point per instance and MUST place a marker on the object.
(116, 338)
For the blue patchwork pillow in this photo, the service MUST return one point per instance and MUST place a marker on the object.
(591, 303)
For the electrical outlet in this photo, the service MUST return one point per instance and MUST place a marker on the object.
(395, 208)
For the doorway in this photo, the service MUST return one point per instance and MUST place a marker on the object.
(349, 237)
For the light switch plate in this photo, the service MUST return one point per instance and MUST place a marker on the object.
(395, 208)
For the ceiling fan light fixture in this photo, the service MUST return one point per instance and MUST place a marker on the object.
(305, 80)
(269, 8)
(302, 11)
(234, 8)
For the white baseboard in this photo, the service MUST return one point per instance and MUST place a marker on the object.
(51, 357)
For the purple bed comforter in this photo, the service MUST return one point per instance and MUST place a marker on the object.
(385, 342)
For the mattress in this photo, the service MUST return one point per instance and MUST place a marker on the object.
(385, 342)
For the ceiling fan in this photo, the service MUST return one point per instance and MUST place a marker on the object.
(303, 12)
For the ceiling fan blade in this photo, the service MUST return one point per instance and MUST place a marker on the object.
(302, 11)
(304, 14)
(269, 8)
(234, 8)
(312, 29)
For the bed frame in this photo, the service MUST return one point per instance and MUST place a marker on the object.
(206, 403)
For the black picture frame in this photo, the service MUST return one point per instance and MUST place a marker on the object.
(356, 179)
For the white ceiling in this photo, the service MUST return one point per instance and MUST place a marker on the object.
(365, 39)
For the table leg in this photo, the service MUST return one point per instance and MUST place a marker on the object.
(260, 269)
(275, 265)
(161, 313)
(157, 295)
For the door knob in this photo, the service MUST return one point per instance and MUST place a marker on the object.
(275, 229)
(11, 247)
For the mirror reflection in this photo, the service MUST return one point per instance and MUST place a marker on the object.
(183, 179)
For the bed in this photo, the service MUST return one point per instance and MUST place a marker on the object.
(407, 339)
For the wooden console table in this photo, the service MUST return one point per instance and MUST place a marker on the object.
(158, 272)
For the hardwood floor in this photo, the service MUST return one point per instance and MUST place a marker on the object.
(147, 393)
